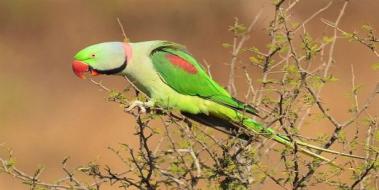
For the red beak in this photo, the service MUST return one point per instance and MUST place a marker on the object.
(80, 68)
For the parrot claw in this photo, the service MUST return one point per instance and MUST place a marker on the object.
(141, 105)
(136, 103)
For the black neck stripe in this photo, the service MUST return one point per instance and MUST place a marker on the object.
(112, 71)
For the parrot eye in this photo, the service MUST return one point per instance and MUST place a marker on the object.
(93, 55)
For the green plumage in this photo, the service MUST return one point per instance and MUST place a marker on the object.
(201, 85)
(172, 78)
(193, 84)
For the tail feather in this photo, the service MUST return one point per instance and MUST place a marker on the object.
(329, 151)
(284, 140)
(231, 127)
(271, 134)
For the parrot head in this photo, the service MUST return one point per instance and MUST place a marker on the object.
(104, 58)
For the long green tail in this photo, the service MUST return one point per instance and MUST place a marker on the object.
(239, 118)
(282, 139)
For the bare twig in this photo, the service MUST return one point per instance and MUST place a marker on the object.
(238, 43)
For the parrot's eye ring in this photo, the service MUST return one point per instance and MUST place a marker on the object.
(93, 55)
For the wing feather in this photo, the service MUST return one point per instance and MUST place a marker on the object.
(184, 74)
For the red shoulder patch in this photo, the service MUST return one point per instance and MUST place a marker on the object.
(181, 63)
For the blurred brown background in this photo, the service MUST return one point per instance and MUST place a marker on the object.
(46, 113)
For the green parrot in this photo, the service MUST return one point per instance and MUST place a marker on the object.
(171, 78)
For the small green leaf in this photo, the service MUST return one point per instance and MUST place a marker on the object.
(349, 36)
(253, 49)
(253, 59)
(226, 45)
(237, 28)
(377, 135)
(367, 27)
(10, 163)
(375, 66)
(327, 39)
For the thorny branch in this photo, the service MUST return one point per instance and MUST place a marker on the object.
(240, 38)
(294, 68)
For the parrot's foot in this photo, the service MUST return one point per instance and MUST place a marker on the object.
(139, 104)
(136, 103)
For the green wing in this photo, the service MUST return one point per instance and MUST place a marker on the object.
(184, 74)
